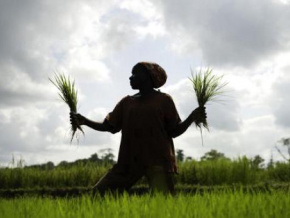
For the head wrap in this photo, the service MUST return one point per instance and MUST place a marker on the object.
(157, 73)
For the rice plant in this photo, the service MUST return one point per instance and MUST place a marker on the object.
(205, 173)
(213, 204)
(207, 87)
(68, 93)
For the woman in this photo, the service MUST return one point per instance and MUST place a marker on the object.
(148, 121)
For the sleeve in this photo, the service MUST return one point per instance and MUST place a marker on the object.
(115, 118)
(171, 115)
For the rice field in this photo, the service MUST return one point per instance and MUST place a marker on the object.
(204, 173)
(215, 204)
(221, 188)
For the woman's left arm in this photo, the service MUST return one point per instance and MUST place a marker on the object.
(197, 116)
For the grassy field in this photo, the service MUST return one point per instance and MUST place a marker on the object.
(205, 173)
(219, 188)
(210, 204)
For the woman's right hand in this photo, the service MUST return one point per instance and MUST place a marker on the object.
(199, 115)
(77, 119)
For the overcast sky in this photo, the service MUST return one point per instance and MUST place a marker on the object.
(98, 42)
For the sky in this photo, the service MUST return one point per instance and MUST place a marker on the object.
(97, 42)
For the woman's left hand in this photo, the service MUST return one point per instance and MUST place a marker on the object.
(199, 115)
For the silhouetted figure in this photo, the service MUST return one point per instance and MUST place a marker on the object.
(148, 121)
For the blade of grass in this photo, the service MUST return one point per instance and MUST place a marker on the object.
(207, 87)
(67, 93)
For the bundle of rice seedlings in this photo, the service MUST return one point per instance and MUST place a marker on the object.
(207, 87)
(68, 94)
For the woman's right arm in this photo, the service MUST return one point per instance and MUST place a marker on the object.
(99, 126)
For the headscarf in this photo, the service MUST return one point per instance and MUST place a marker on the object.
(157, 73)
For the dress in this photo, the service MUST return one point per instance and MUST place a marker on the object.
(144, 122)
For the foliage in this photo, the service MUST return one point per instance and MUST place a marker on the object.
(213, 155)
(221, 171)
(106, 159)
(280, 172)
(179, 155)
(86, 172)
(257, 162)
(62, 176)
(284, 142)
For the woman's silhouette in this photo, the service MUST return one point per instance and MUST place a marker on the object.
(148, 121)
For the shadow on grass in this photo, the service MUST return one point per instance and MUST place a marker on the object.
(141, 190)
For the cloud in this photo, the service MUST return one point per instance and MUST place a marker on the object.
(45, 37)
(228, 33)
(280, 99)
(151, 20)
(19, 129)
(74, 37)
(36, 131)
(17, 88)
(118, 28)
(39, 38)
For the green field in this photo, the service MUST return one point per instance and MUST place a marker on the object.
(212, 188)
(205, 173)
(215, 204)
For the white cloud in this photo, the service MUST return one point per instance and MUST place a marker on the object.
(154, 29)
(151, 19)
(84, 64)
(19, 129)
(17, 88)
(98, 114)
(283, 1)
(145, 8)
(44, 37)
(280, 100)
(229, 33)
